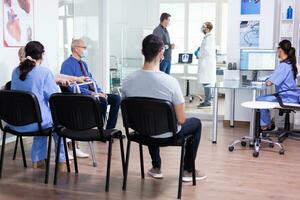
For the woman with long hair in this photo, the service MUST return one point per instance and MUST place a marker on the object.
(31, 76)
(284, 79)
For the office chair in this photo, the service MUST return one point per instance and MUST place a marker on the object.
(78, 117)
(20, 108)
(285, 109)
(150, 117)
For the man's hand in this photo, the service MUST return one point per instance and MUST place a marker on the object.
(81, 79)
(173, 46)
(101, 94)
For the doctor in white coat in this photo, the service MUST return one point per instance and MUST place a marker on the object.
(207, 63)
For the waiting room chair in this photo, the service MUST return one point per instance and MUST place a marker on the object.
(20, 108)
(8, 87)
(151, 117)
(78, 117)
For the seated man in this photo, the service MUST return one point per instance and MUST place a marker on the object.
(75, 66)
(151, 82)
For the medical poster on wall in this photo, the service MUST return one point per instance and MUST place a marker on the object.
(18, 22)
(250, 7)
(249, 34)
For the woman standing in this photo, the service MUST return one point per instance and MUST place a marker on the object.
(207, 63)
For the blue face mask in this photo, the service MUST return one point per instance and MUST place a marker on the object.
(84, 54)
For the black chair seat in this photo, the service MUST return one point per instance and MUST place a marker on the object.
(91, 134)
(161, 142)
(44, 132)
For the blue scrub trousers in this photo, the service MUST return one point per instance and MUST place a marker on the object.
(165, 66)
(39, 148)
(265, 118)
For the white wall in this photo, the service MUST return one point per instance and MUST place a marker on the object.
(91, 21)
(267, 41)
(128, 20)
(46, 31)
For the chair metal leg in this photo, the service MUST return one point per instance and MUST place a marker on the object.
(126, 165)
(93, 153)
(16, 148)
(194, 158)
(66, 155)
(23, 152)
(142, 161)
(108, 165)
(181, 171)
(75, 157)
(57, 160)
(2, 153)
(48, 159)
(122, 155)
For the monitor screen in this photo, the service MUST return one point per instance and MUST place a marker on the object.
(185, 58)
(258, 59)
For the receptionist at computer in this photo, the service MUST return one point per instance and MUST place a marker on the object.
(284, 78)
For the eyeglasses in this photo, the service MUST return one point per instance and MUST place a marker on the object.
(84, 47)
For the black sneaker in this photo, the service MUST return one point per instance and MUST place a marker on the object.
(204, 104)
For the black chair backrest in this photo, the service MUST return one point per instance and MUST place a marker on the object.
(19, 108)
(76, 111)
(7, 86)
(64, 89)
(149, 116)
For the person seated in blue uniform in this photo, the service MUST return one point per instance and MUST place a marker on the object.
(31, 76)
(284, 78)
(75, 66)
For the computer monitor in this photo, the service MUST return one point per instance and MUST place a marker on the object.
(258, 59)
(185, 58)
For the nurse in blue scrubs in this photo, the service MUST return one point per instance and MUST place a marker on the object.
(31, 76)
(283, 78)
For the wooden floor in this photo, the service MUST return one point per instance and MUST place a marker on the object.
(231, 175)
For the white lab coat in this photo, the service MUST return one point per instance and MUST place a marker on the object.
(207, 60)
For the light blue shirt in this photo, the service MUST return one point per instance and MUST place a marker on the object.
(41, 82)
(283, 79)
(159, 85)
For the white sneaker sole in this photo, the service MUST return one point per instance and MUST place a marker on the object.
(156, 176)
(190, 179)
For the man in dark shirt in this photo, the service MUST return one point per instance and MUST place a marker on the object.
(162, 32)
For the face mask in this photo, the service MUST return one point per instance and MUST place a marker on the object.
(203, 30)
(84, 54)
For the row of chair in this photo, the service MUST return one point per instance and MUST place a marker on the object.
(78, 117)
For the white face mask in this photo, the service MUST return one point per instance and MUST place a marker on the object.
(84, 53)
(203, 30)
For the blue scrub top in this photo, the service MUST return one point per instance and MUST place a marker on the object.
(41, 82)
(283, 79)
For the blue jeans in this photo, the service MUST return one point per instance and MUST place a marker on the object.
(165, 66)
(192, 126)
(114, 101)
(39, 148)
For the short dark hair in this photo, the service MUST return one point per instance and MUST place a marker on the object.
(164, 16)
(209, 25)
(152, 45)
